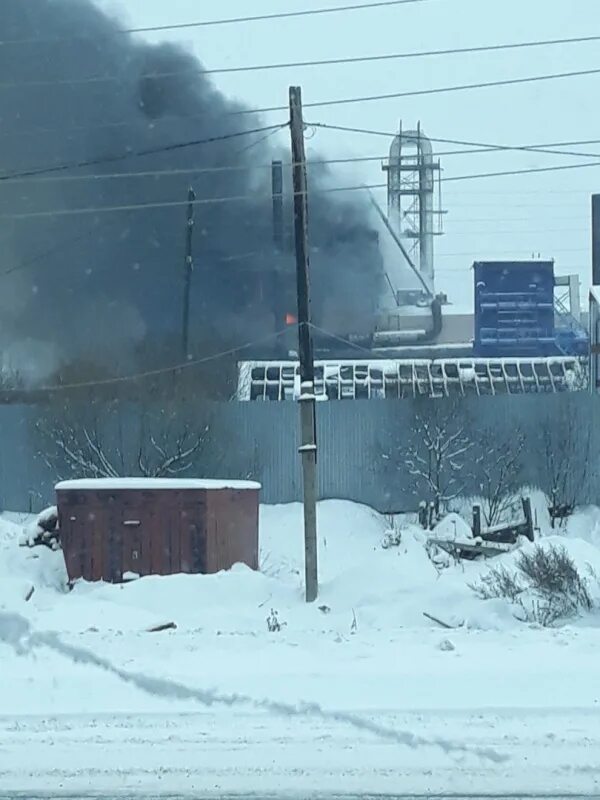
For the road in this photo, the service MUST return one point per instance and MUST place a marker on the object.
(302, 796)
(222, 753)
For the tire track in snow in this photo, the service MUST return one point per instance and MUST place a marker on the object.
(17, 632)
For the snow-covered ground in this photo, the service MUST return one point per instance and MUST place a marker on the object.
(359, 692)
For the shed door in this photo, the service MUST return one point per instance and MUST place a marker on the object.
(193, 538)
(137, 534)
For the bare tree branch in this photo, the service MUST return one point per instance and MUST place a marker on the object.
(498, 470)
(162, 445)
(437, 453)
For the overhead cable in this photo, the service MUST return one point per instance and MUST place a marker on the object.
(438, 90)
(332, 102)
(324, 62)
(226, 21)
(179, 367)
(36, 259)
(39, 175)
(485, 146)
(253, 197)
(136, 153)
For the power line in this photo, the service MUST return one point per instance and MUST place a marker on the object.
(518, 192)
(158, 173)
(61, 387)
(247, 197)
(461, 142)
(34, 260)
(76, 212)
(340, 339)
(510, 219)
(226, 21)
(528, 171)
(437, 90)
(31, 176)
(555, 168)
(136, 154)
(333, 102)
(325, 62)
(507, 253)
(517, 231)
(324, 103)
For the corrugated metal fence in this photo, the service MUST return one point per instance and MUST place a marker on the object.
(363, 445)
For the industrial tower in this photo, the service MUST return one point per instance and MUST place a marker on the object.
(414, 199)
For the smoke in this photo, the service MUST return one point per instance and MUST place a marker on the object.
(107, 286)
(16, 632)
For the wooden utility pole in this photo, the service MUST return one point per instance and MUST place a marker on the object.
(277, 192)
(187, 280)
(308, 447)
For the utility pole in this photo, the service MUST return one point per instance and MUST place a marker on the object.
(278, 303)
(187, 280)
(308, 447)
(277, 192)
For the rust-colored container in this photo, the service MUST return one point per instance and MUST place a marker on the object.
(155, 526)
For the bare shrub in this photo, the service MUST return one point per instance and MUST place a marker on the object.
(499, 472)
(274, 624)
(437, 454)
(115, 439)
(565, 448)
(545, 587)
(499, 582)
(552, 573)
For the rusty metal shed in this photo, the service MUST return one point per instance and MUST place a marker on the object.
(112, 529)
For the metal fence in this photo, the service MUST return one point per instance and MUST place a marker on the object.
(363, 451)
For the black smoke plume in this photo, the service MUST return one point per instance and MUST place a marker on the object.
(104, 287)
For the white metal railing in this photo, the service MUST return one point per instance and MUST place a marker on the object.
(352, 380)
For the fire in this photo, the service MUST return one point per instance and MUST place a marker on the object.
(290, 319)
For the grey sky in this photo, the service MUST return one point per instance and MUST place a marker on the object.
(504, 217)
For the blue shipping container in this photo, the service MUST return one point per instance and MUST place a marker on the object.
(514, 308)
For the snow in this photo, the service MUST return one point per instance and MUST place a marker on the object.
(453, 528)
(149, 484)
(359, 692)
(47, 515)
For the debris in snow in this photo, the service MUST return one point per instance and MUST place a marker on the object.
(29, 593)
(165, 626)
(452, 528)
(48, 518)
(446, 646)
(472, 549)
(273, 623)
(391, 538)
(354, 626)
(438, 621)
(44, 531)
(324, 609)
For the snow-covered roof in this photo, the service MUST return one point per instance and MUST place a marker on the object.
(148, 484)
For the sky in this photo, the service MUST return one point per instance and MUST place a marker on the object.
(509, 217)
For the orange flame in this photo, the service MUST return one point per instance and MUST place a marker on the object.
(290, 319)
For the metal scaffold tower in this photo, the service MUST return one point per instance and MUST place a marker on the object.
(414, 198)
